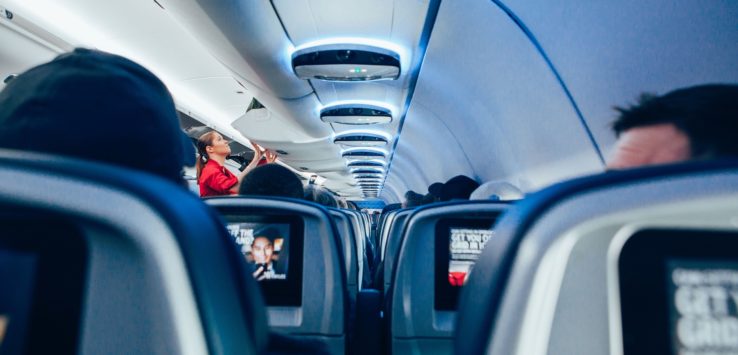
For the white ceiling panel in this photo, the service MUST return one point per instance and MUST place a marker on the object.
(224, 92)
(26, 52)
(310, 20)
(493, 103)
(609, 52)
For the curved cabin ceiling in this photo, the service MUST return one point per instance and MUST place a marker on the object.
(494, 90)
(256, 40)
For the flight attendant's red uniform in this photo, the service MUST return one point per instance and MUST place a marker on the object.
(216, 180)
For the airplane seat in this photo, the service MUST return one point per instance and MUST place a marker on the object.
(294, 249)
(363, 248)
(103, 259)
(392, 239)
(632, 262)
(383, 230)
(349, 249)
(367, 223)
(440, 244)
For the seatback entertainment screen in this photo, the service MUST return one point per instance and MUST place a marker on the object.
(703, 306)
(17, 274)
(679, 292)
(265, 247)
(459, 243)
(272, 248)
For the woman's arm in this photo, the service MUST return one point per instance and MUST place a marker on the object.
(258, 154)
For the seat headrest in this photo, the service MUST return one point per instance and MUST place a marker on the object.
(216, 273)
(482, 295)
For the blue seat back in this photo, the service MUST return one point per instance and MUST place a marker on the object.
(549, 282)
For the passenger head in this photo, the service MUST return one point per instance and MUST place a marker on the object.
(435, 189)
(429, 198)
(391, 207)
(342, 203)
(97, 106)
(698, 122)
(458, 187)
(496, 191)
(412, 199)
(211, 144)
(272, 180)
(319, 195)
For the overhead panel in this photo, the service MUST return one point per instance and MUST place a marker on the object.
(391, 24)
(346, 61)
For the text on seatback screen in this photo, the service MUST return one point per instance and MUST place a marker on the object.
(703, 307)
(465, 246)
(459, 243)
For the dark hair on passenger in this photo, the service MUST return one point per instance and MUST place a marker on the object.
(391, 207)
(203, 141)
(458, 187)
(319, 195)
(97, 106)
(429, 198)
(435, 189)
(271, 180)
(707, 114)
(413, 199)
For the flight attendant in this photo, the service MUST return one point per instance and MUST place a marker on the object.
(212, 176)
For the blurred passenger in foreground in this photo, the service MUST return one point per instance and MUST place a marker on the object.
(699, 122)
(272, 180)
(97, 106)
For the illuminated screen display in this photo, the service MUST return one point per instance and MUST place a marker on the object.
(272, 248)
(3, 326)
(465, 246)
(265, 247)
(703, 307)
(459, 243)
(679, 292)
(17, 273)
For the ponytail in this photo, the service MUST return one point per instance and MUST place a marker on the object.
(202, 157)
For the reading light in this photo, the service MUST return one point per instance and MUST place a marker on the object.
(346, 62)
(356, 114)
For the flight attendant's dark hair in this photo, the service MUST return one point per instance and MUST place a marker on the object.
(202, 156)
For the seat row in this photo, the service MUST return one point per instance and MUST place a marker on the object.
(120, 261)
